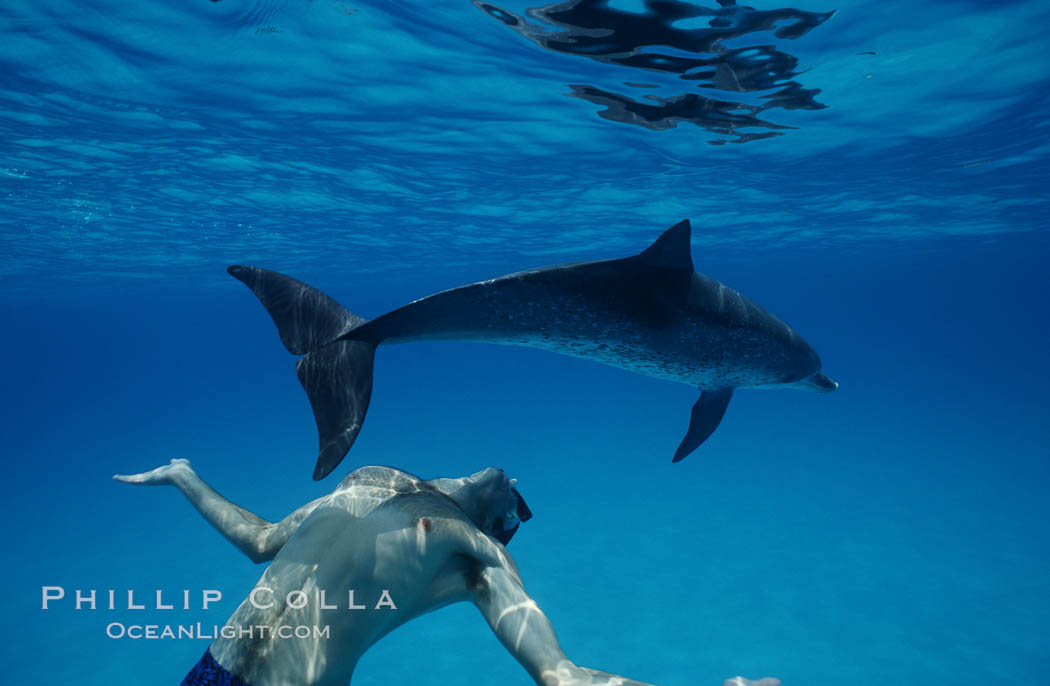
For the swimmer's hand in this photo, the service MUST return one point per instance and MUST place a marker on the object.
(592, 677)
(161, 476)
(568, 674)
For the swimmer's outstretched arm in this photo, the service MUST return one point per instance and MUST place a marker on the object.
(527, 634)
(256, 537)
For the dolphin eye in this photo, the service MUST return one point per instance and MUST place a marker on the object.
(511, 515)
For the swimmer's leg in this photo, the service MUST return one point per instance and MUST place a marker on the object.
(256, 537)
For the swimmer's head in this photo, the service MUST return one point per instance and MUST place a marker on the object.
(494, 504)
(513, 516)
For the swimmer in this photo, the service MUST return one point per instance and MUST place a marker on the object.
(404, 547)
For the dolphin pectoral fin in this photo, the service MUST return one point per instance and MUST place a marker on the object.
(707, 414)
(338, 380)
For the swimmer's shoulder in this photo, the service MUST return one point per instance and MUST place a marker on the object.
(396, 492)
(379, 488)
(380, 477)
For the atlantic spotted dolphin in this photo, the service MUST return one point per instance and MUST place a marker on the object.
(650, 313)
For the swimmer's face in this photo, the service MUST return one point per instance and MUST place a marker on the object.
(493, 491)
(501, 506)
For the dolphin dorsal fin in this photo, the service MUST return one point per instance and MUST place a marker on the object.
(671, 249)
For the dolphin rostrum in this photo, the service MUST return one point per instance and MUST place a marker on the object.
(650, 313)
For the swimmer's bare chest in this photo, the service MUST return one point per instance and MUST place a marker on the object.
(379, 551)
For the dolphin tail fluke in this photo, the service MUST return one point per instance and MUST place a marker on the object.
(305, 317)
(338, 380)
(335, 372)
(707, 414)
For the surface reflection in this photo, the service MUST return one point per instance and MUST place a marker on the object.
(687, 42)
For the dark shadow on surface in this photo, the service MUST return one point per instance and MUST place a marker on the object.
(685, 41)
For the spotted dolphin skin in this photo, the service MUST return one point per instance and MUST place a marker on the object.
(650, 313)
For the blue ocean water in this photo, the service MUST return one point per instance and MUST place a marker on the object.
(876, 177)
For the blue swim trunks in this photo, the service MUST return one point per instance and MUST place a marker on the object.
(208, 672)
